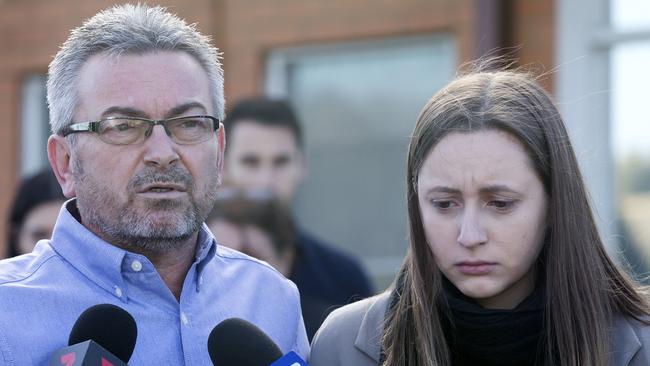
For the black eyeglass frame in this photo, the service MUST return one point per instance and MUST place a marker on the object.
(93, 126)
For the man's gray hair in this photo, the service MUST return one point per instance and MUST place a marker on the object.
(126, 29)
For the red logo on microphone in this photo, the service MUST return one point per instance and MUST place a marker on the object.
(68, 359)
(105, 362)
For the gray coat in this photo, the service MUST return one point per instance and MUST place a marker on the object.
(350, 337)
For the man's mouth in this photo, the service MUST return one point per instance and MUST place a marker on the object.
(162, 188)
(159, 189)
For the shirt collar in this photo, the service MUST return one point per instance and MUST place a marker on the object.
(206, 248)
(205, 244)
(97, 260)
(102, 262)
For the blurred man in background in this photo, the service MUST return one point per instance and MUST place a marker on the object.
(265, 151)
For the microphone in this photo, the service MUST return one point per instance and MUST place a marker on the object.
(235, 342)
(103, 335)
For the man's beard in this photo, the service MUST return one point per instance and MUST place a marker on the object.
(155, 226)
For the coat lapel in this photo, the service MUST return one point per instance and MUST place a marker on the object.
(624, 341)
(369, 335)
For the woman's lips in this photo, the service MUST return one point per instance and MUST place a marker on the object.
(475, 268)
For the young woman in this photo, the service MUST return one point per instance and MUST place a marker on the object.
(505, 265)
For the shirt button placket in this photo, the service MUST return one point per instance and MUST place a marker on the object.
(187, 338)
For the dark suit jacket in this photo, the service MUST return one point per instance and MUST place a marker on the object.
(327, 278)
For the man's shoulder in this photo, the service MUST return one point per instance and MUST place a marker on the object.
(244, 282)
(234, 256)
(26, 299)
(236, 261)
(23, 267)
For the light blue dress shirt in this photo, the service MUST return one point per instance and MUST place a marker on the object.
(43, 293)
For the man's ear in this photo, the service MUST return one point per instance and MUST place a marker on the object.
(221, 142)
(58, 153)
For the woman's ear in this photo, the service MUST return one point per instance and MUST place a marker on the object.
(59, 155)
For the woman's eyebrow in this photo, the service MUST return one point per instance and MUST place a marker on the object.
(497, 188)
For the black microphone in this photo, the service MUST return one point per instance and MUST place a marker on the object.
(236, 342)
(103, 335)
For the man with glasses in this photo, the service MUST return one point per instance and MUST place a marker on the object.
(136, 99)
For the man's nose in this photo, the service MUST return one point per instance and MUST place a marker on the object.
(160, 149)
(264, 177)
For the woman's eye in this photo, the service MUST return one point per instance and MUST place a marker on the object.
(442, 205)
(501, 205)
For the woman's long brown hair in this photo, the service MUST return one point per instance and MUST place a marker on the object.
(584, 287)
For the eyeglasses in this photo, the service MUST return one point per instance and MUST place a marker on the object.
(133, 130)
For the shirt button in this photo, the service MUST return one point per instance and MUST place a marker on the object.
(184, 319)
(118, 291)
(136, 266)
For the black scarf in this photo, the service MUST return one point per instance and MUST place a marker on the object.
(478, 336)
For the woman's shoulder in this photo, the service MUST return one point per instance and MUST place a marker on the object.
(351, 334)
(630, 341)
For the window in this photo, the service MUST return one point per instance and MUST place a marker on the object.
(358, 103)
(34, 126)
(630, 55)
(603, 49)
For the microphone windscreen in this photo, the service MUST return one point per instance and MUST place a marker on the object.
(108, 325)
(236, 342)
